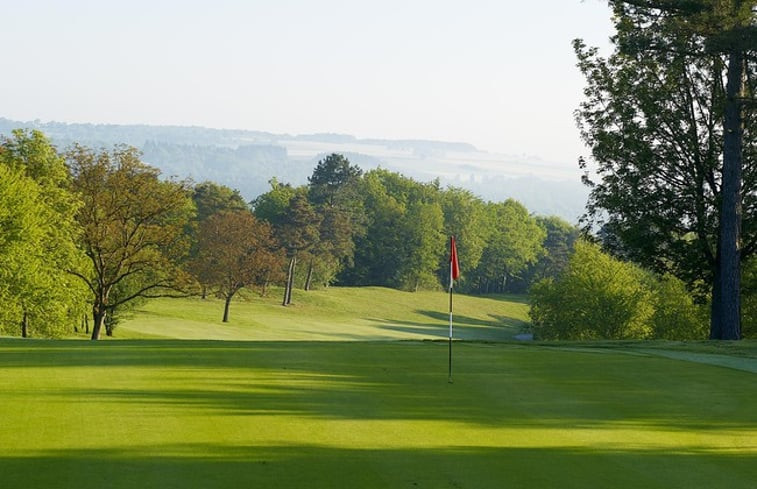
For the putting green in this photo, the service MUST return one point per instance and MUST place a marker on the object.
(184, 414)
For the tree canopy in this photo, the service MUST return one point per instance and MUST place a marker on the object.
(37, 242)
(664, 116)
(132, 228)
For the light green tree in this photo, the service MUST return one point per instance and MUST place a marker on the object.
(513, 242)
(421, 233)
(600, 297)
(38, 239)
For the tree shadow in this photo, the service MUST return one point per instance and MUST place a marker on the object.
(495, 385)
(545, 392)
(317, 466)
(496, 328)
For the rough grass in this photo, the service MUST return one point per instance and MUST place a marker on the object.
(343, 313)
(186, 414)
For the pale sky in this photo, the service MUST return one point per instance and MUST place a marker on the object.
(498, 74)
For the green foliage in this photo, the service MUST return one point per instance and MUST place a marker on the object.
(669, 122)
(403, 242)
(557, 248)
(272, 205)
(676, 315)
(464, 218)
(749, 299)
(38, 296)
(133, 228)
(514, 241)
(332, 181)
(600, 297)
(333, 191)
(420, 231)
(211, 198)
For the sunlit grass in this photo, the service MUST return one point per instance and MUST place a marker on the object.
(379, 414)
(339, 313)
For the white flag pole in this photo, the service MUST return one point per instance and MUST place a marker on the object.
(450, 317)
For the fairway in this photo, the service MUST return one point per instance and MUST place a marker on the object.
(186, 414)
(335, 314)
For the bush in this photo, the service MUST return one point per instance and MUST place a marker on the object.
(599, 297)
(676, 316)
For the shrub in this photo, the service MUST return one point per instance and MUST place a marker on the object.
(600, 297)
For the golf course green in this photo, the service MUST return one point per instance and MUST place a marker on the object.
(177, 413)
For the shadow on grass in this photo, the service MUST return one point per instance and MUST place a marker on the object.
(497, 328)
(496, 386)
(218, 466)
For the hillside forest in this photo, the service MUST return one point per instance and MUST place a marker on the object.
(88, 234)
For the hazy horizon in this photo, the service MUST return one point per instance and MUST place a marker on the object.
(498, 75)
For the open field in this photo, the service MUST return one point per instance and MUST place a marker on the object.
(339, 313)
(184, 414)
(292, 409)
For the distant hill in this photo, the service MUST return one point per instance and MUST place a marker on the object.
(247, 160)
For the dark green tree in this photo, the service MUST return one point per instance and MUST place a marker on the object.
(558, 246)
(667, 119)
(333, 191)
(272, 205)
(377, 251)
(333, 181)
(211, 198)
(421, 234)
(297, 232)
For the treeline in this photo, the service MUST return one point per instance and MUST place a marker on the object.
(88, 233)
(381, 228)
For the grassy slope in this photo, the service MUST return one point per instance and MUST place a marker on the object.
(167, 414)
(368, 313)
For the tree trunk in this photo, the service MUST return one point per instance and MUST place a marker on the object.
(729, 307)
(204, 292)
(288, 285)
(310, 276)
(291, 280)
(226, 309)
(25, 326)
(98, 319)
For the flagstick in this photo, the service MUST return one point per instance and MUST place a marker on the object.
(450, 323)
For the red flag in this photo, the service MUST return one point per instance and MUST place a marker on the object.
(454, 266)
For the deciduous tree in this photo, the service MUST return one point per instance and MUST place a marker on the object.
(37, 241)
(132, 227)
(239, 251)
(669, 123)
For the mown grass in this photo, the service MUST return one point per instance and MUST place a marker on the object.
(344, 313)
(292, 410)
(186, 414)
